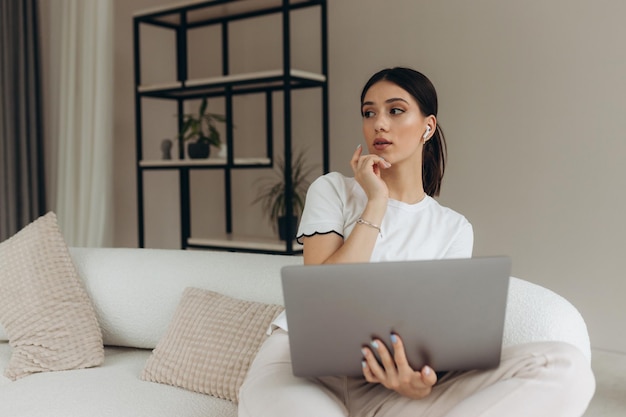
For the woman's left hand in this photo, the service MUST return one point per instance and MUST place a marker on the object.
(394, 372)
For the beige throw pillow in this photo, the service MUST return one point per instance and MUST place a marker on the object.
(210, 343)
(44, 307)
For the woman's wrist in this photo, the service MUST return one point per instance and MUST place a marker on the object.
(362, 221)
(373, 214)
(375, 210)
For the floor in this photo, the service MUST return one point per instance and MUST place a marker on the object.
(610, 398)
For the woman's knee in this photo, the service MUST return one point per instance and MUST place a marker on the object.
(576, 372)
(565, 368)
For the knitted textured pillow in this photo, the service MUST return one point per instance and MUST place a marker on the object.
(44, 307)
(210, 343)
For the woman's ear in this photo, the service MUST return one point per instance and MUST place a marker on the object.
(431, 125)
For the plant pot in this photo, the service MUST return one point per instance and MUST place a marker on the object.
(198, 150)
(282, 227)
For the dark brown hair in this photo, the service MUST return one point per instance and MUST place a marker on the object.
(423, 91)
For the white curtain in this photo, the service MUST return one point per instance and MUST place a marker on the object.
(81, 105)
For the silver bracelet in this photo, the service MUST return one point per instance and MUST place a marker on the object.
(365, 222)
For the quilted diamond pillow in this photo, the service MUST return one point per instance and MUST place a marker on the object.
(44, 307)
(210, 343)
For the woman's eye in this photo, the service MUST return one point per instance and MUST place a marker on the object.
(396, 111)
(368, 113)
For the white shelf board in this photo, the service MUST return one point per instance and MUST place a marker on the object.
(243, 242)
(251, 76)
(171, 163)
(159, 87)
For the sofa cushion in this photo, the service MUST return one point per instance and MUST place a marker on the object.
(113, 389)
(210, 343)
(44, 308)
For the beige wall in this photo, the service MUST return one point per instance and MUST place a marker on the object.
(532, 99)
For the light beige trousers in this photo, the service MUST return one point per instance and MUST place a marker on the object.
(550, 379)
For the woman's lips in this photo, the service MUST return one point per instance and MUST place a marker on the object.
(381, 144)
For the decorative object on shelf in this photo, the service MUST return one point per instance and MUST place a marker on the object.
(198, 150)
(272, 193)
(166, 149)
(223, 153)
(201, 129)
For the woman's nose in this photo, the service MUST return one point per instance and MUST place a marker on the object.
(381, 124)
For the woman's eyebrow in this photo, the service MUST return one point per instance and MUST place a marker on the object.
(389, 100)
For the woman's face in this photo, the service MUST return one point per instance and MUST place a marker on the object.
(393, 124)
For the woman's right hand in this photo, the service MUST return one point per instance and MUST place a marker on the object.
(394, 371)
(367, 172)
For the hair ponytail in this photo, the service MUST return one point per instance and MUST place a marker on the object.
(434, 157)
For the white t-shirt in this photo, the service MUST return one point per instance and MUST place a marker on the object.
(425, 230)
(421, 231)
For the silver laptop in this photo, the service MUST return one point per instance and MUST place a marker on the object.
(449, 313)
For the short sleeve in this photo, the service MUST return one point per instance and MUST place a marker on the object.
(323, 209)
(463, 243)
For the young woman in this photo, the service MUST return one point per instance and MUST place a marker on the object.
(386, 213)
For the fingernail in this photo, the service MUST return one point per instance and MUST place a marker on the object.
(364, 351)
(359, 145)
(394, 338)
(363, 364)
(427, 370)
(374, 344)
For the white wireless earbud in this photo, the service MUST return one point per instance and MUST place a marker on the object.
(427, 132)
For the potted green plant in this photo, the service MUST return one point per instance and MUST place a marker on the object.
(272, 189)
(201, 130)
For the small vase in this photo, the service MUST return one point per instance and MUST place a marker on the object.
(223, 152)
(166, 149)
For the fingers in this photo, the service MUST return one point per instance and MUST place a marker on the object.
(367, 367)
(358, 160)
(385, 357)
(372, 369)
(355, 157)
(394, 371)
(399, 353)
(429, 377)
(384, 163)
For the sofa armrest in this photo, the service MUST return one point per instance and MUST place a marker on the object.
(535, 314)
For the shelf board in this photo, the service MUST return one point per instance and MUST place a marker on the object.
(199, 11)
(253, 76)
(159, 87)
(259, 79)
(205, 162)
(243, 242)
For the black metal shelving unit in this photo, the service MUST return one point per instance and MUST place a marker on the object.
(180, 18)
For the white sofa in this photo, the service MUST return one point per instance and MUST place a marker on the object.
(135, 293)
